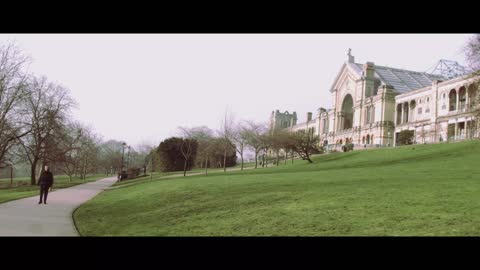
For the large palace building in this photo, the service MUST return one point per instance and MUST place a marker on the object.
(372, 104)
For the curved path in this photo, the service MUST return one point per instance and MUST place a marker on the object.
(25, 217)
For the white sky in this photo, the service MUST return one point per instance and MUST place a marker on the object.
(168, 80)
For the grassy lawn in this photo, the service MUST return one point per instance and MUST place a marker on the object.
(196, 171)
(144, 179)
(407, 191)
(22, 187)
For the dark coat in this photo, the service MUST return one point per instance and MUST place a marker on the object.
(46, 179)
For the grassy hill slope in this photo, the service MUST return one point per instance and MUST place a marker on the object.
(411, 190)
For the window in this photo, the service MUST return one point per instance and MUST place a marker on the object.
(443, 95)
(428, 99)
(324, 124)
(370, 114)
(427, 110)
(419, 101)
(444, 107)
(419, 110)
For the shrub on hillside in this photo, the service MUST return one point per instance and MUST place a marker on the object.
(405, 137)
(133, 172)
(170, 154)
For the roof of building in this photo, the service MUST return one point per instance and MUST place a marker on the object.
(402, 80)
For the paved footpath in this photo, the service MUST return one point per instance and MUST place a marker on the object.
(25, 217)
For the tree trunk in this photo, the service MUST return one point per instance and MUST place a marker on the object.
(33, 168)
(256, 159)
(263, 160)
(185, 167)
(278, 158)
(11, 175)
(292, 156)
(241, 157)
(307, 157)
(151, 168)
(206, 165)
(285, 159)
(85, 168)
(225, 160)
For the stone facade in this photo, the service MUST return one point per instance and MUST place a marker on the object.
(372, 104)
(440, 112)
(280, 120)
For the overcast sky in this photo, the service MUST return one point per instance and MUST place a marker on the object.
(140, 88)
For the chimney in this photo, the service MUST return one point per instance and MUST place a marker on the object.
(368, 70)
(309, 116)
(368, 73)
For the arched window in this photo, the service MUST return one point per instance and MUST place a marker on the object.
(347, 111)
(472, 95)
(406, 112)
(462, 97)
(399, 114)
(452, 96)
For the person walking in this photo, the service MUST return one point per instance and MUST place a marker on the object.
(45, 182)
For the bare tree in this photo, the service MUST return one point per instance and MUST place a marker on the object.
(266, 140)
(283, 140)
(240, 137)
(204, 137)
(253, 133)
(227, 132)
(13, 91)
(305, 144)
(110, 156)
(67, 148)
(143, 157)
(147, 151)
(188, 147)
(88, 153)
(46, 107)
(472, 53)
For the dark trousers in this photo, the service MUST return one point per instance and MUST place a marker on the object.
(44, 192)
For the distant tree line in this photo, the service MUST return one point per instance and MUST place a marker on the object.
(203, 148)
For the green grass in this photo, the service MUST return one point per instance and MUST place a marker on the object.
(23, 189)
(195, 171)
(144, 179)
(407, 191)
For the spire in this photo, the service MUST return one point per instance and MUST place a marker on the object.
(351, 58)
